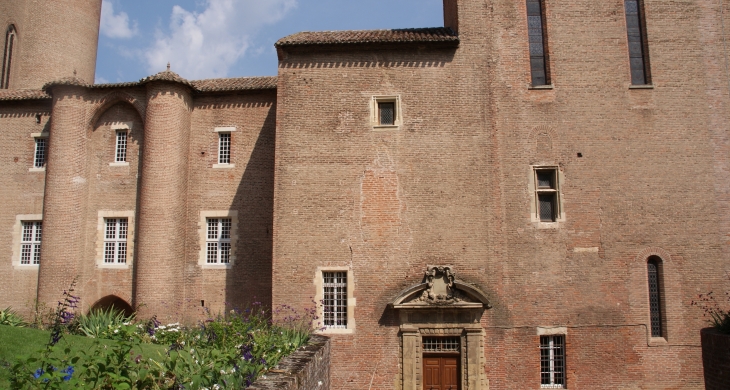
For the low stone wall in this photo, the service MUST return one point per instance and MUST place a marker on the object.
(306, 369)
(716, 359)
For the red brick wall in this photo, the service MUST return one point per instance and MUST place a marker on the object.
(451, 187)
(22, 194)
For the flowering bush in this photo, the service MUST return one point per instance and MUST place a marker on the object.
(224, 352)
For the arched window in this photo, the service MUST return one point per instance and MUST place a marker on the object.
(656, 309)
(10, 37)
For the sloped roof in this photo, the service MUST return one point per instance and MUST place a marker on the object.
(235, 84)
(23, 94)
(347, 37)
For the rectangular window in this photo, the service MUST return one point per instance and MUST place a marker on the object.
(224, 148)
(335, 300)
(638, 49)
(115, 240)
(30, 243)
(537, 35)
(386, 113)
(552, 362)
(218, 241)
(546, 194)
(121, 149)
(39, 158)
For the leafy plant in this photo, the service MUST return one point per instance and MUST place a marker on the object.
(106, 324)
(717, 317)
(11, 318)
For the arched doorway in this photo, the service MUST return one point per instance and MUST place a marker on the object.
(115, 303)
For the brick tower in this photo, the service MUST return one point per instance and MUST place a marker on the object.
(45, 40)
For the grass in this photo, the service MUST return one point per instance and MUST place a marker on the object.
(20, 343)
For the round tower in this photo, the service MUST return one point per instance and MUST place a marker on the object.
(46, 40)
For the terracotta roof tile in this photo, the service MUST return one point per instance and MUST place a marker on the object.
(235, 84)
(407, 35)
(23, 94)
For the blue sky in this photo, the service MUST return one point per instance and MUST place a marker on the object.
(231, 38)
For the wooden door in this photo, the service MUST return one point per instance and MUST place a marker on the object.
(441, 372)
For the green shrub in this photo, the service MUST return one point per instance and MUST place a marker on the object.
(10, 317)
(105, 324)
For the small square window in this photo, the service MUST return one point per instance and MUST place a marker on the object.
(546, 194)
(552, 362)
(385, 111)
(386, 114)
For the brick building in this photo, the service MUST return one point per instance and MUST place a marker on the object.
(527, 197)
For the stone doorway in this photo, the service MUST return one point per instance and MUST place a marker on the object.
(442, 341)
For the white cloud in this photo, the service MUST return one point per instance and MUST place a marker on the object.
(207, 44)
(116, 25)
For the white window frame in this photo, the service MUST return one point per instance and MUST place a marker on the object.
(101, 245)
(225, 130)
(121, 128)
(31, 236)
(375, 112)
(19, 241)
(534, 189)
(115, 240)
(320, 295)
(36, 137)
(552, 358)
(205, 217)
(218, 240)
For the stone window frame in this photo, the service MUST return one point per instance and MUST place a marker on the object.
(319, 297)
(553, 332)
(116, 242)
(17, 239)
(36, 136)
(223, 130)
(532, 188)
(203, 238)
(102, 216)
(374, 111)
(117, 128)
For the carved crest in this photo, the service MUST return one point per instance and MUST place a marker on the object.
(440, 288)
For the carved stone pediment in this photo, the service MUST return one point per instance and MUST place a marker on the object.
(441, 288)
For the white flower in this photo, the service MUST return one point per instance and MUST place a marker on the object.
(116, 330)
(279, 350)
(319, 383)
(192, 350)
(182, 342)
(223, 372)
(216, 387)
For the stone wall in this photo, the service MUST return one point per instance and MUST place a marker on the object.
(715, 358)
(306, 369)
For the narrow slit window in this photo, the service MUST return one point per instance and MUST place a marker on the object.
(386, 113)
(655, 296)
(552, 362)
(30, 244)
(547, 194)
(10, 37)
(115, 240)
(39, 157)
(335, 300)
(537, 35)
(638, 49)
(121, 147)
(224, 148)
(218, 242)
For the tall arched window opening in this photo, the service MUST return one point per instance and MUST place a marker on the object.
(656, 308)
(10, 38)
